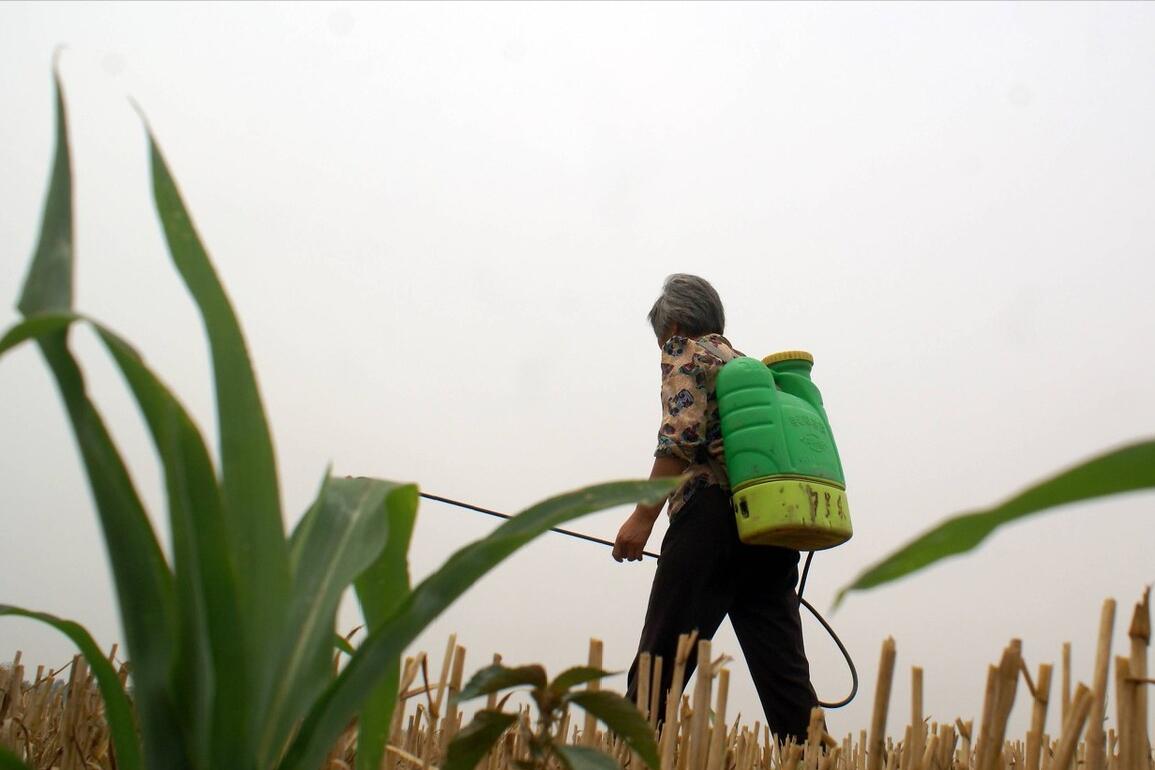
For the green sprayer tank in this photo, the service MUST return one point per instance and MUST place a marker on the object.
(786, 479)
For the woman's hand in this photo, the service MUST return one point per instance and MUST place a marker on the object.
(632, 537)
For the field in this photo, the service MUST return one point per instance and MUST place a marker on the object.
(55, 720)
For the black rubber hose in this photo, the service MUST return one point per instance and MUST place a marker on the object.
(598, 540)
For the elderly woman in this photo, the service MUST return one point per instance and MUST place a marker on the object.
(704, 571)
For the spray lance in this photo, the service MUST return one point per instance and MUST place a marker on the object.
(786, 480)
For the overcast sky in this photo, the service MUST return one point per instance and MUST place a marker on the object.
(443, 225)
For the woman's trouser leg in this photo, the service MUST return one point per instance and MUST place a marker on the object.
(693, 585)
(766, 621)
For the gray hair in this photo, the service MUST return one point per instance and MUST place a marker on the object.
(691, 303)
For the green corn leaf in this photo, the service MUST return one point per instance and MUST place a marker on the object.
(117, 709)
(475, 740)
(623, 719)
(341, 535)
(144, 585)
(248, 467)
(585, 758)
(380, 590)
(35, 327)
(209, 659)
(9, 761)
(1127, 469)
(48, 286)
(344, 696)
(210, 662)
(497, 677)
(141, 575)
(578, 675)
(40, 328)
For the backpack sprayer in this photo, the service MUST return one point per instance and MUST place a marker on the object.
(785, 475)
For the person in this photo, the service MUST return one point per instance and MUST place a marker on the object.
(704, 571)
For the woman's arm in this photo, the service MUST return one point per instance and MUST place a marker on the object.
(634, 533)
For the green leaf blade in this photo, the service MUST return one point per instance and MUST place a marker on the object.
(144, 584)
(43, 325)
(248, 466)
(48, 285)
(497, 677)
(208, 656)
(475, 740)
(117, 708)
(140, 573)
(340, 702)
(211, 669)
(1127, 469)
(342, 534)
(573, 677)
(380, 590)
(623, 719)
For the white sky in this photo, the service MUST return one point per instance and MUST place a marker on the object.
(442, 226)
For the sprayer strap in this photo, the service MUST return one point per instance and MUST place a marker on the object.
(718, 469)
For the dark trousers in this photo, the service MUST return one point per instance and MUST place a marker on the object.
(704, 573)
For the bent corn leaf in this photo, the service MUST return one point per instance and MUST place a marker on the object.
(209, 663)
(39, 325)
(210, 659)
(1127, 469)
(336, 707)
(117, 709)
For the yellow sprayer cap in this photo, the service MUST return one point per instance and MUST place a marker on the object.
(788, 355)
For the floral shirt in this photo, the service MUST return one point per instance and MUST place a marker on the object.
(690, 424)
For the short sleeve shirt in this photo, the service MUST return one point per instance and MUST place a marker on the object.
(690, 423)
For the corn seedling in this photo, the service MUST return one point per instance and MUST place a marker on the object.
(545, 744)
(231, 636)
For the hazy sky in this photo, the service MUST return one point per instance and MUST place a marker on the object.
(442, 226)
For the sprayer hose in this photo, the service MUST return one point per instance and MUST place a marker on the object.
(600, 541)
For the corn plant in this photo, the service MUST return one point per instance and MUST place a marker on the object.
(552, 699)
(1129, 468)
(231, 635)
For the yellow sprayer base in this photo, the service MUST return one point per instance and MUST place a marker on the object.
(805, 514)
